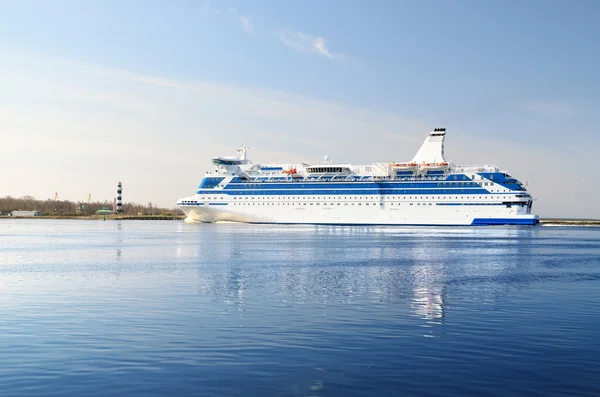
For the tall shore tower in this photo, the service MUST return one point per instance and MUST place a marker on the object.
(119, 198)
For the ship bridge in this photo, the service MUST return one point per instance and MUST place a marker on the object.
(240, 159)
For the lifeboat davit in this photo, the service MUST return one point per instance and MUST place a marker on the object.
(404, 166)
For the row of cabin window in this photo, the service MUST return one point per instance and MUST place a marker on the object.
(458, 184)
(325, 204)
(326, 169)
(374, 193)
(351, 198)
(366, 204)
(307, 197)
(439, 184)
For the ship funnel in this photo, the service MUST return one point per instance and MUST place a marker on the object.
(432, 150)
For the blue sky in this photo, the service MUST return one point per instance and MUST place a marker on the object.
(515, 83)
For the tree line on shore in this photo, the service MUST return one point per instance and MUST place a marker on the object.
(70, 208)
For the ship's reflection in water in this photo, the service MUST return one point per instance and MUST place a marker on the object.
(409, 271)
(436, 268)
(428, 275)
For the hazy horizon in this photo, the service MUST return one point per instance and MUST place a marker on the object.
(146, 93)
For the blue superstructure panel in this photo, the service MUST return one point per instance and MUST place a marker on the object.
(210, 182)
(354, 192)
(457, 177)
(503, 179)
(271, 168)
(504, 221)
(350, 185)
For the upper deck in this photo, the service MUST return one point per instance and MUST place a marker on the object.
(428, 165)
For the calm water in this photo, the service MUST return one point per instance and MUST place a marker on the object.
(165, 308)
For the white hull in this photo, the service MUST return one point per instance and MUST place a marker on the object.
(347, 211)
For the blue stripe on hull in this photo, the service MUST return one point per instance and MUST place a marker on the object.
(530, 222)
(356, 224)
(375, 224)
(504, 221)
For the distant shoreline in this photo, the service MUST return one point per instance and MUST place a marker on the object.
(570, 222)
(544, 221)
(102, 217)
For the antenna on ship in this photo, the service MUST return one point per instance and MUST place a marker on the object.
(244, 152)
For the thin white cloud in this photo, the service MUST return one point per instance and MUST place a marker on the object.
(550, 107)
(245, 22)
(247, 25)
(308, 43)
(209, 8)
(321, 47)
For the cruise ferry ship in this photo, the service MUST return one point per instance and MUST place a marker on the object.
(425, 191)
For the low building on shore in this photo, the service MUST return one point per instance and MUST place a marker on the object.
(24, 214)
(104, 211)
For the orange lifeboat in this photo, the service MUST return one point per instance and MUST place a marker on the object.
(404, 166)
(291, 171)
(434, 166)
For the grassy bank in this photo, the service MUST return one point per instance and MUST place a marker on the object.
(570, 222)
(105, 217)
